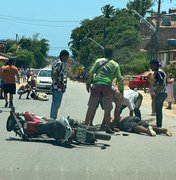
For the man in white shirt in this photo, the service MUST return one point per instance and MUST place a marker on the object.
(131, 99)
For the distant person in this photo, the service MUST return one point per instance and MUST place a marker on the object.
(28, 74)
(24, 89)
(2, 82)
(9, 73)
(170, 91)
(39, 96)
(99, 83)
(59, 82)
(24, 75)
(159, 90)
(174, 89)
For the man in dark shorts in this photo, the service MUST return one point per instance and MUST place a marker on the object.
(9, 74)
(134, 124)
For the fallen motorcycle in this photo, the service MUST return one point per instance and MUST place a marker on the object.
(28, 126)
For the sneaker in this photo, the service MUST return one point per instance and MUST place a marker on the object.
(109, 131)
(151, 131)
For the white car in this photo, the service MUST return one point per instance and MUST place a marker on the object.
(43, 81)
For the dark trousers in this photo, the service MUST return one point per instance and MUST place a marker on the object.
(159, 100)
(137, 103)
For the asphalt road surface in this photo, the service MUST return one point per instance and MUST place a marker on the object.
(134, 157)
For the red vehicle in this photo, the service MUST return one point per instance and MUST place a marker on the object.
(139, 82)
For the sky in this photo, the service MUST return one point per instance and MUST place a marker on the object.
(54, 20)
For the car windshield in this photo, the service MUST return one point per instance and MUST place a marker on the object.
(44, 73)
(35, 71)
(133, 78)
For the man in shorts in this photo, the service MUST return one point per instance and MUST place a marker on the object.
(101, 76)
(9, 74)
(24, 89)
(134, 124)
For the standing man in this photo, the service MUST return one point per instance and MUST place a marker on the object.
(59, 82)
(9, 74)
(159, 90)
(101, 76)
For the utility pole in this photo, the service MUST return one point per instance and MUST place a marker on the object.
(95, 42)
(155, 30)
(153, 36)
(155, 42)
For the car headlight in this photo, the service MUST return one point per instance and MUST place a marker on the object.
(38, 81)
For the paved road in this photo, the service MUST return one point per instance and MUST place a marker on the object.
(135, 157)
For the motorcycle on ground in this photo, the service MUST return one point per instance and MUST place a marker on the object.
(28, 126)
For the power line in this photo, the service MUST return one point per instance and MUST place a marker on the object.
(33, 24)
(37, 20)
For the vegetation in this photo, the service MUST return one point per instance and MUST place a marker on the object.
(141, 6)
(115, 28)
(28, 52)
(171, 69)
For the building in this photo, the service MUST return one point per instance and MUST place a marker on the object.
(166, 47)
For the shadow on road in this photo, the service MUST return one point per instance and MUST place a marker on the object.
(56, 143)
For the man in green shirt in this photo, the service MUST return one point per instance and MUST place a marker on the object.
(99, 85)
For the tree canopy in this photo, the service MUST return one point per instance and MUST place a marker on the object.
(141, 6)
(29, 52)
(117, 29)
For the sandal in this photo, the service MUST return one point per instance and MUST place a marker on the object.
(151, 132)
(110, 131)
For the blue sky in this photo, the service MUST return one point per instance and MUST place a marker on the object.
(61, 16)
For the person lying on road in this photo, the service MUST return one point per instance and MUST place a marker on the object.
(134, 124)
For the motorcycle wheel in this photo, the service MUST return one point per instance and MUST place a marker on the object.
(10, 124)
(102, 136)
(25, 137)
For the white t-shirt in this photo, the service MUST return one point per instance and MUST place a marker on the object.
(130, 96)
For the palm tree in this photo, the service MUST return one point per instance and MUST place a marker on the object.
(141, 6)
(108, 11)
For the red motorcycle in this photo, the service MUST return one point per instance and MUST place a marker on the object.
(28, 126)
